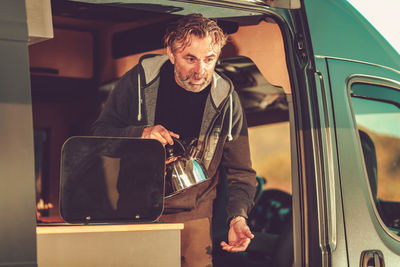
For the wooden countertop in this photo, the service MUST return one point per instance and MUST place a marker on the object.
(107, 228)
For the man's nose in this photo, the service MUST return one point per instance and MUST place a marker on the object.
(200, 67)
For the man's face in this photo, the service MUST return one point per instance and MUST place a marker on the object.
(194, 65)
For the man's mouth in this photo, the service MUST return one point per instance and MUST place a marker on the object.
(194, 80)
(197, 82)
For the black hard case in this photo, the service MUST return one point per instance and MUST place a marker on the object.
(111, 180)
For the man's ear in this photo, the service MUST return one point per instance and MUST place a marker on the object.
(170, 55)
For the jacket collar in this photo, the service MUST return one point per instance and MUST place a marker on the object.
(151, 65)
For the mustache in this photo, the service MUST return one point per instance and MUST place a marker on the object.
(194, 75)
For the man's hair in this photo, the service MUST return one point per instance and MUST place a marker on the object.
(179, 33)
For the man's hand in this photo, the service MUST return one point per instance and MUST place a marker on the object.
(239, 235)
(159, 133)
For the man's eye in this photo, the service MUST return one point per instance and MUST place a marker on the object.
(209, 60)
(190, 59)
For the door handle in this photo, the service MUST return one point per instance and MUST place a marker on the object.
(372, 258)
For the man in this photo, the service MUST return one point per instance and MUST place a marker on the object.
(179, 95)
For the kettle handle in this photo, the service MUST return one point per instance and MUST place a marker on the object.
(179, 143)
(170, 149)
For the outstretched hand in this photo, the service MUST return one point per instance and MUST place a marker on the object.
(239, 236)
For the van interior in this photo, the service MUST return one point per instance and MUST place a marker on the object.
(96, 41)
(94, 45)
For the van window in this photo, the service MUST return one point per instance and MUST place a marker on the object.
(377, 115)
(270, 154)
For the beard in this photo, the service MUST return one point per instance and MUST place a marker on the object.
(185, 81)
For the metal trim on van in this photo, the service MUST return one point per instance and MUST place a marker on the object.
(288, 4)
(359, 61)
(372, 80)
(327, 185)
(369, 79)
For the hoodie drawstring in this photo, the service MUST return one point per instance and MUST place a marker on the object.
(230, 138)
(139, 116)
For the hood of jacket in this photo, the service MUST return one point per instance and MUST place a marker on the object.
(150, 69)
(149, 73)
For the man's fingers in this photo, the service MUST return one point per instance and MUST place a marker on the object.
(242, 246)
(250, 235)
(167, 136)
(247, 233)
(170, 159)
(236, 246)
(226, 246)
(159, 137)
(239, 237)
(243, 231)
(159, 133)
(174, 134)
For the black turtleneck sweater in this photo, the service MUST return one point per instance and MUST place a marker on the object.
(177, 109)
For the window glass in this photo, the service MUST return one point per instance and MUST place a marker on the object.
(270, 154)
(377, 115)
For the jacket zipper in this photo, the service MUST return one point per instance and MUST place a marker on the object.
(209, 130)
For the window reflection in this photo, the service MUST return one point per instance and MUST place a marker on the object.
(377, 117)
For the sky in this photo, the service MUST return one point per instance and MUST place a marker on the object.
(384, 15)
(379, 117)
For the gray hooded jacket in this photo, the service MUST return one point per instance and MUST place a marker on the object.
(223, 141)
